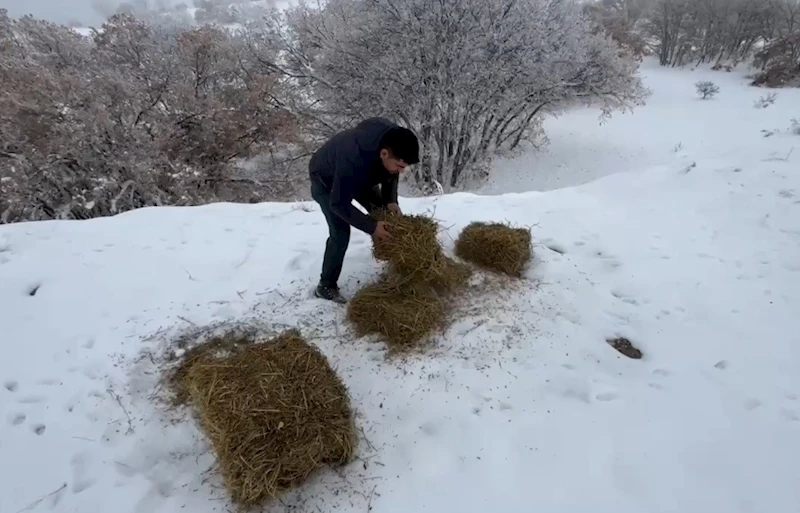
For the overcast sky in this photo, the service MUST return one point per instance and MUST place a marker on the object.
(61, 11)
(67, 11)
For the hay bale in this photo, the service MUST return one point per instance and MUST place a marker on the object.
(495, 246)
(402, 313)
(414, 254)
(275, 412)
(441, 272)
(221, 345)
(414, 240)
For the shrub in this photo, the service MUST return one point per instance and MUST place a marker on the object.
(473, 77)
(706, 89)
(765, 101)
(139, 115)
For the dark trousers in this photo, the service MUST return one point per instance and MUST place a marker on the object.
(339, 230)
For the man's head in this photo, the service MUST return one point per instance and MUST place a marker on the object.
(399, 148)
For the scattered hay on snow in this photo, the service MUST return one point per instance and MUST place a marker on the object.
(495, 246)
(275, 412)
(403, 313)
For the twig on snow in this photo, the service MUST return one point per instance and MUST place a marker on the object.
(117, 398)
(371, 494)
(779, 159)
(369, 444)
(40, 499)
(184, 319)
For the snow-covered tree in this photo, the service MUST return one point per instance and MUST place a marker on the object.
(140, 115)
(468, 76)
(717, 31)
(622, 20)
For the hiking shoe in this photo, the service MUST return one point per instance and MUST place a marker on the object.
(330, 294)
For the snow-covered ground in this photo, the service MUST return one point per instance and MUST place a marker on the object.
(673, 128)
(520, 405)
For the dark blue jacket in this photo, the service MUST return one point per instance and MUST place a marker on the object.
(348, 165)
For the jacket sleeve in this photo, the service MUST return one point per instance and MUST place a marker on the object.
(389, 190)
(342, 194)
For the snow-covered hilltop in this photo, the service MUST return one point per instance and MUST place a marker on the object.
(693, 255)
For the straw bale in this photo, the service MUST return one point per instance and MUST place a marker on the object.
(275, 412)
(495, 246)
(402, 313)
(414, 254)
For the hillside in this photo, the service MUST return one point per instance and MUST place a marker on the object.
(521, 403)
(674, 128)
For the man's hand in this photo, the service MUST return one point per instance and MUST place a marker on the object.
(394, 208)
(381, 233)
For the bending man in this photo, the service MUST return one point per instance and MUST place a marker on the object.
(361, 164)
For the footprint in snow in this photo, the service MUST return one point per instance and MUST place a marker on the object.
(17, 419)
(32, 399)
(11, 385)
(606, 397)
(39, 429)
(624, 297)
(429, 428)
(751, 404)
(505, 406)
(299, 261)
(81, 478)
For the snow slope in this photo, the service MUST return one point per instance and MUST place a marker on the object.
(673, 128)
(519, 406)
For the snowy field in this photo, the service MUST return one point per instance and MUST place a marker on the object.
(520, 405)
(674, 128)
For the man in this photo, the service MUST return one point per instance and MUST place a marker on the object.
(361, 164)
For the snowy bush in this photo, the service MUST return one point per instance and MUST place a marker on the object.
(707, 89)
(468, 76)
(795, 126)
(621, 20)
(765, 101)
(720, 32)
(780, 61)
(137, 116)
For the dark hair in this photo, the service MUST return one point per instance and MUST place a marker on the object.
(402, 143)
